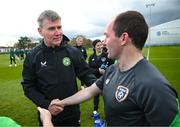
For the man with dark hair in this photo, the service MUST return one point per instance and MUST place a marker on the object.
(50, 71)
(135, 93)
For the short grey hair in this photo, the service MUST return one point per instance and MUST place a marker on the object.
(47, 14)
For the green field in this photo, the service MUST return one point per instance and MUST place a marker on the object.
(14, 104)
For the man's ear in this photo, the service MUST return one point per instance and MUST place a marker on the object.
(40, 31)
(124, 38)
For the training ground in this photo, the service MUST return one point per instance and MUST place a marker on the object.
(14, 104)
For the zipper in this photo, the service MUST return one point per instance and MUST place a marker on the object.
(56, 64)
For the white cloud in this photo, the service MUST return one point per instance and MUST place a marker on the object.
(88, 17)
(10, 40)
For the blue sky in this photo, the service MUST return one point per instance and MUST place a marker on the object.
(86, 17)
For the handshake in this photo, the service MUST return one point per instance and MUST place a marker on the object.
(56, 106)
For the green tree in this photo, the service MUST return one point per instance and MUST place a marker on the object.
(23, 42)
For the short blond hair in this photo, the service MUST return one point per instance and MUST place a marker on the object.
(78, 38)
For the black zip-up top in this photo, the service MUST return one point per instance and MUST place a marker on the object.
(83, 51)
(50, 73)
(95, 62)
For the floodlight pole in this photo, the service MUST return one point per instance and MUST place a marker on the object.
(149, 39)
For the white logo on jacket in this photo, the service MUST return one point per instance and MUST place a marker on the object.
(82, 50)
(103, 59)
(43, 64)
(121, 93)
(107, 81)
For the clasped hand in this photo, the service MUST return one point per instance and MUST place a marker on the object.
(56, 106)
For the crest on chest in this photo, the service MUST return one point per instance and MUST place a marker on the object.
(121, 93)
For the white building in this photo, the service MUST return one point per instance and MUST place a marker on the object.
(165, 34)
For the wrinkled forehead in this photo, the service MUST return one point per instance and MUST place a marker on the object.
(49, 21)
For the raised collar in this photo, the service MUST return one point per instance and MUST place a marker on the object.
(50, 49)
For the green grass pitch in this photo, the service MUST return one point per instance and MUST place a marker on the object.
(15, 105)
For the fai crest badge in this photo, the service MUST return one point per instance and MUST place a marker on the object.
(66, 61)
(121, 93)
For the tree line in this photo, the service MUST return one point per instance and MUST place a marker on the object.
(28, 42)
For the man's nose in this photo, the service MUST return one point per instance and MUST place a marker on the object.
(58, 31)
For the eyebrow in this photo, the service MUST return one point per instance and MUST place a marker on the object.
(53, 27)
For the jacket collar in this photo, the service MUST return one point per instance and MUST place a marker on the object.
(50, 49)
